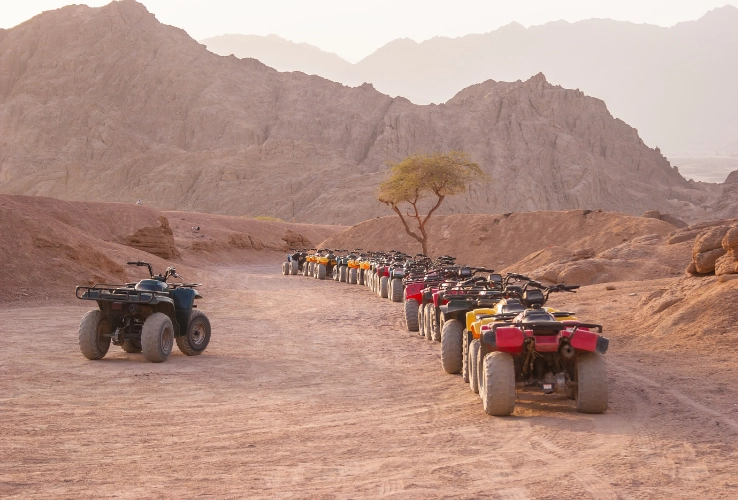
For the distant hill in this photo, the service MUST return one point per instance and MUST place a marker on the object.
(675, 85)
(108, 104)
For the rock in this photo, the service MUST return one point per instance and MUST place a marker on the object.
(652, 214)
(691, 268)
(584, 253)
(732, 178)
(704, 262)
(610, 287)
(155, 240)
(727, 264)
(730, 240)
(673, 220)
(709, 239)
(727, 277)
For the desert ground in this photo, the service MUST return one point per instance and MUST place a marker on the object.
(315, 389)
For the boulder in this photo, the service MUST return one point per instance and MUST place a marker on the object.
(674, 221)
(652, 214)
(704, 262)
(709, 239)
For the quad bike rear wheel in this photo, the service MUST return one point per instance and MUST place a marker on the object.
(321, 272)
(437, 325)
(411, 315)
(198, 335)
(592, 390)
(472, 363)
(284, 268)
(359, 276)
(157, 337)
(428, 322)
(334, 273)
(94, 335)
(343, 274)
(397, 290)
(451, 346)
(352, 276)
(131, 346)
(306, 268)
(384, 287)
(294, 266)
(498, 384)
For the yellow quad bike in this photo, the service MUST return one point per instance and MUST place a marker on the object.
(365, 267)
(307, 268)
(517, 300)
(325, 261)
(354, 267)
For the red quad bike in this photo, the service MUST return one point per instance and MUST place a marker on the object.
(536, 350)
(412, 295)
(440, 296)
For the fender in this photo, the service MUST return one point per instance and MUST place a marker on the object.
(508, 339)
(414, 291)
(586, 340)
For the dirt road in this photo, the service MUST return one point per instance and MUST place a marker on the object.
(314, 390)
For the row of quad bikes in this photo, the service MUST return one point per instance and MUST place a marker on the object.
(496, 331)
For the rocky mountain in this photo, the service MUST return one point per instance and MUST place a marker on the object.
(675, 85)
(109, 104)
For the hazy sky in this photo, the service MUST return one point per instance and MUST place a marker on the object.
(354, 29)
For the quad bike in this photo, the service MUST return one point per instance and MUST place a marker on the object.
(340, 270)
(295, 262)
(148, 316)
(325, 262)
(307, 268)
(353, 266)
(413, 284)
(472, 296)
(543, 349)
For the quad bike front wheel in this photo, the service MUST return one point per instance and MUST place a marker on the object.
(352, 279)
(465, 358)
(294, 266)
(411, 315)
(94, 335)
(497, 384)
(285, 270)
(321, 272)
(592, 390)
(384, 287)
(198, 335)
(474, 348)
(157, 337)
(397, 290)
(451, 346)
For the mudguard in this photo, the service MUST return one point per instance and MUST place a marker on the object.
(586, 340)
(508, 339)
(414, 291)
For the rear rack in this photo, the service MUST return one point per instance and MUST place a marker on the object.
(115, 293)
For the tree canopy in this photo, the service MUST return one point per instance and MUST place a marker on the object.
(424, 176)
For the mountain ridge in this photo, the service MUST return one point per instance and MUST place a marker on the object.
(665, 81)
(108, 104)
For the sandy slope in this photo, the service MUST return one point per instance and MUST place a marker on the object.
(313, 389)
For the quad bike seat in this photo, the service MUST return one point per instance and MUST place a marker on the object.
(512, 306)
(151, 286)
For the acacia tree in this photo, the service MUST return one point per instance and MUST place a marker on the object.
(421, 177)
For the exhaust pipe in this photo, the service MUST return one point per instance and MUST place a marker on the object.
(567, 351)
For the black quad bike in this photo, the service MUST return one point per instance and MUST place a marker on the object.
(147, 317)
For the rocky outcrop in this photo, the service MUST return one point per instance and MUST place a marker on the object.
(715, 250)
(655, 214)
(157, 240)
(151, 114)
